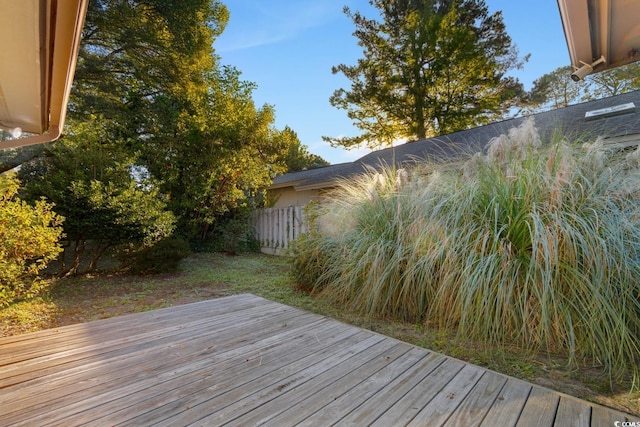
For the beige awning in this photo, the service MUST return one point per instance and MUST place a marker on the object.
(40, 41)
(601, 29)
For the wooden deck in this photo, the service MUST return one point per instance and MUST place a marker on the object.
(243, 360)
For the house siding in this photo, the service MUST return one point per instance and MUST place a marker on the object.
(288, 196)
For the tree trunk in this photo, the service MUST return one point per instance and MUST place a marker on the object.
(78, 249)
(10, 159)
(94, 260)
(62, 259)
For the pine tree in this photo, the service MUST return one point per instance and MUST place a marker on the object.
(428, 68)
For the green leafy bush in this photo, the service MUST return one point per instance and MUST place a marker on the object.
(28, 241)
(235, 232)
(530, 244)
(107, 201)
(163, 256)
(232, 233)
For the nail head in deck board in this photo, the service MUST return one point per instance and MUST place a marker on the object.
(474, 407)
(441, 407)
(154, 365)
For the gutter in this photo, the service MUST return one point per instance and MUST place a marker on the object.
(60, 36)
(54, 133)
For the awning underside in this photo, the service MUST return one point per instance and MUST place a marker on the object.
(40, 41)
(601, 28)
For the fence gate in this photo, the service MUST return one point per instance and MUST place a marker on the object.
(277, 227)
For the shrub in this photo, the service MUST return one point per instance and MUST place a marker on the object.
(163, 256)
(528, 244)
(236, 232)
(28, 241)
(106, 199)
(232, 233)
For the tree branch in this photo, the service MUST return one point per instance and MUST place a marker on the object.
(12, 158)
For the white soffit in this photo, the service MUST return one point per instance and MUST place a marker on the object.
(596, 28)
(40, 42)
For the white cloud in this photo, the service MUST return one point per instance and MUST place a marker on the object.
(256, 23)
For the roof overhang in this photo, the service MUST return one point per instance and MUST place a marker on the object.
(601, 29)
(286, 184)
(40, 43)
(324, 185)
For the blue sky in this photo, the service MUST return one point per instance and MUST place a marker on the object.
(287, 47)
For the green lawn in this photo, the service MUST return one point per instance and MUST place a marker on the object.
(205, 276)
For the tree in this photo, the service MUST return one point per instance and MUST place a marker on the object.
(614, 81)
(556, 89)
(150, 96)
(93, 183)
(429, 68)
(150, 69)
(13, 157)
(221, 160)
(149, 79)
(298, 156)
(141, 61)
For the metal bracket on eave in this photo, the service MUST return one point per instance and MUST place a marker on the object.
(616, 110)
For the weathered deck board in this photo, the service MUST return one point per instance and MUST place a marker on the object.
(212, 395)
(177, 363)
(476, 404)
(506, 409)
(243, 360)
(571, 411)
(29, 346)
(129, 346)
(540, 408)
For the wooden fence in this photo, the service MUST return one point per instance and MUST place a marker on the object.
(276, 228)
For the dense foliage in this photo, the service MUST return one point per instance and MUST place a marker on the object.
(92, 182)
(298, 156)
(531, 244)
(150, 70)
(162, 257)
(428, 68)
(160, 136)
(29, 237)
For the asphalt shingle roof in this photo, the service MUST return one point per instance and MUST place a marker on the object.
(570, 121)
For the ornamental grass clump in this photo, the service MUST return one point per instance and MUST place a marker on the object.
(531, 244)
